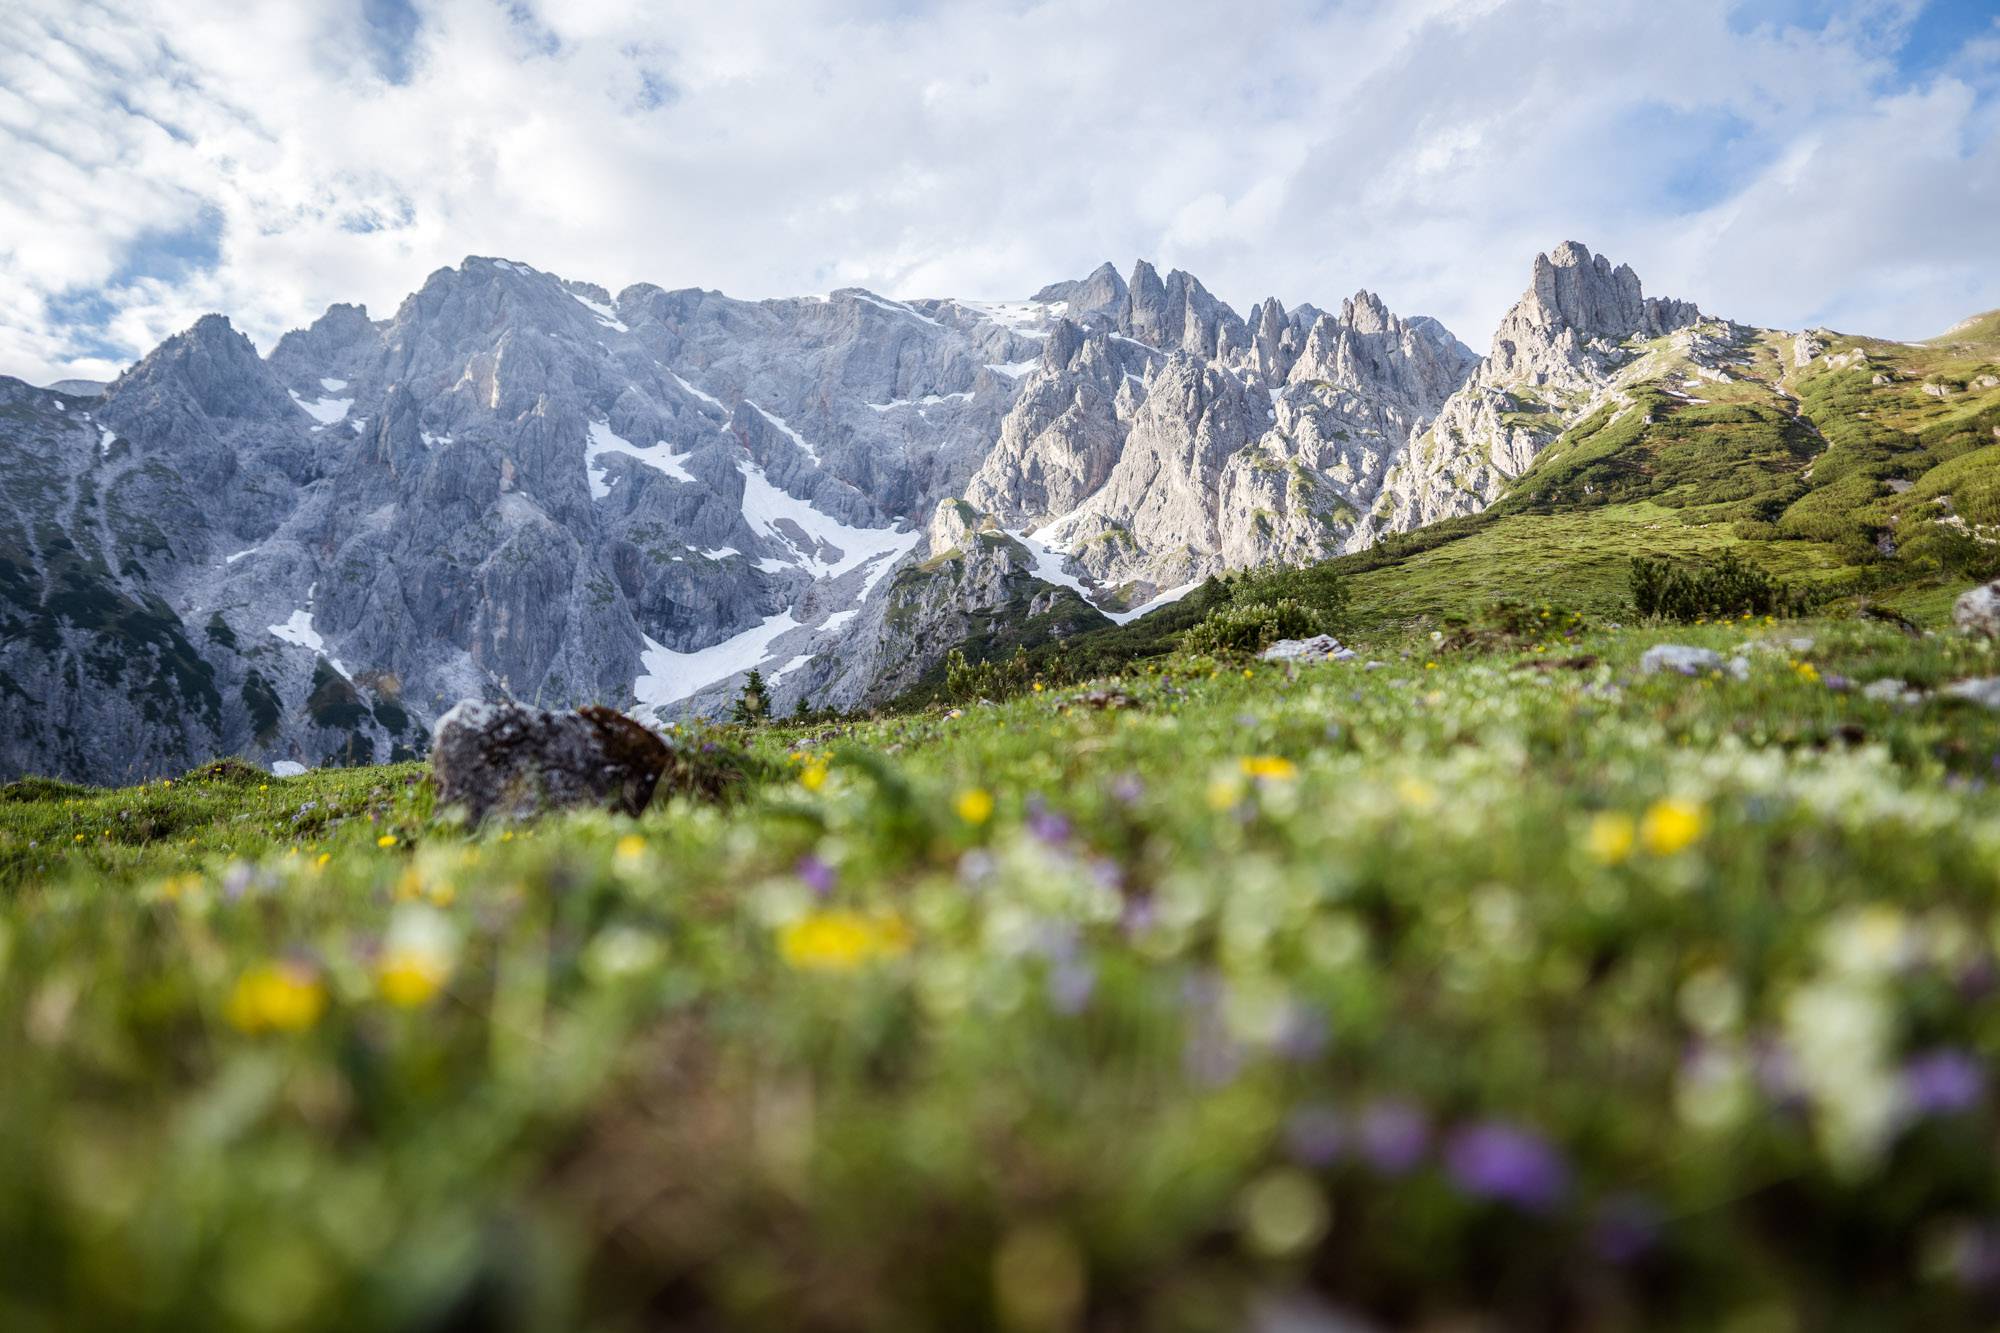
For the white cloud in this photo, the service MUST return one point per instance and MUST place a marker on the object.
(981, 148)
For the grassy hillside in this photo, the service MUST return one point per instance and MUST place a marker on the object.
(1485, 989)
(1819, 473)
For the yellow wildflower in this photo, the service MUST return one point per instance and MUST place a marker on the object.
(1611, 837)
(276, 997)
(417, 957)
(324, 857)
(1416, 793)
(840, 941)
(631, 850)
(813, 776)
(386, 840)
(974, 805)
(1671, 825)
(1271, 767)
(408, 980)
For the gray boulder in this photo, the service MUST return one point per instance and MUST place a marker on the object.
(1683, 659)
(1978, 611)
(1892, 691)
(1319, 648)
(514, 762)
(1984, 691)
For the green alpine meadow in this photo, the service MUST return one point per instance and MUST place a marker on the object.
(1487, 979)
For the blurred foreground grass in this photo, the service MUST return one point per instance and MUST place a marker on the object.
(1506, 990)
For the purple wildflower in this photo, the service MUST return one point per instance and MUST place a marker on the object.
(1212, 1058)
(1943, 1082)
(817, 874)
(1492, 1160)
(1071, 982)
(1128, 789)
(1393, 1135)
(1046, 824)
(1303, 1035)
(1315, 1135)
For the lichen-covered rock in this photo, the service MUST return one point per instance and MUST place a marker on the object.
(1319, 648)
(1978, 612)
(503, 760)
(1680, 658)
(1984, 691)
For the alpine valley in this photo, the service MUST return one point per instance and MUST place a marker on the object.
(525, 486)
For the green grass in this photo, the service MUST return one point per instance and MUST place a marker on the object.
(1048, 1015)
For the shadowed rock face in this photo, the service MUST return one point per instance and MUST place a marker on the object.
(522, 487)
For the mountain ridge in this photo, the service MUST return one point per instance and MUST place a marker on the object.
(524, 485)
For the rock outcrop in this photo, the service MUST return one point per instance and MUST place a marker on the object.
(1553, 359)
(1978, 611)
(504, 761)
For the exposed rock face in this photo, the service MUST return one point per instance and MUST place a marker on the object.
(503, 760)
(976, 581)
(1161, 443)
(1554, 357)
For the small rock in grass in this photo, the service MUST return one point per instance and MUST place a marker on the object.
(1681, 658)
(1893, 691)
(1106, 699)
(501, 758)
(1319, 648)
(1984, 691)
(1978, 612)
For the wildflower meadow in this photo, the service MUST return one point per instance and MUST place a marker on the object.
(1465, 986)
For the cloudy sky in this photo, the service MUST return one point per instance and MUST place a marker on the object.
(1783, 162)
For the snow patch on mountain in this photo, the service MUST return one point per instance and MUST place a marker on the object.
(325, 411)
(812, 533)
(660, 457)
(298, 630)
(789, 433)
(605, 314)
(670, 677)
(894, 307)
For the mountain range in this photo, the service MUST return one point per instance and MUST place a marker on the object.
(525, 486)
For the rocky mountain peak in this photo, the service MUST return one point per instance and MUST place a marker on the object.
(1572, 288)
(1576, 302)
(210, 367)
(1103, 291)
(1365, 313)
(336, 340)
